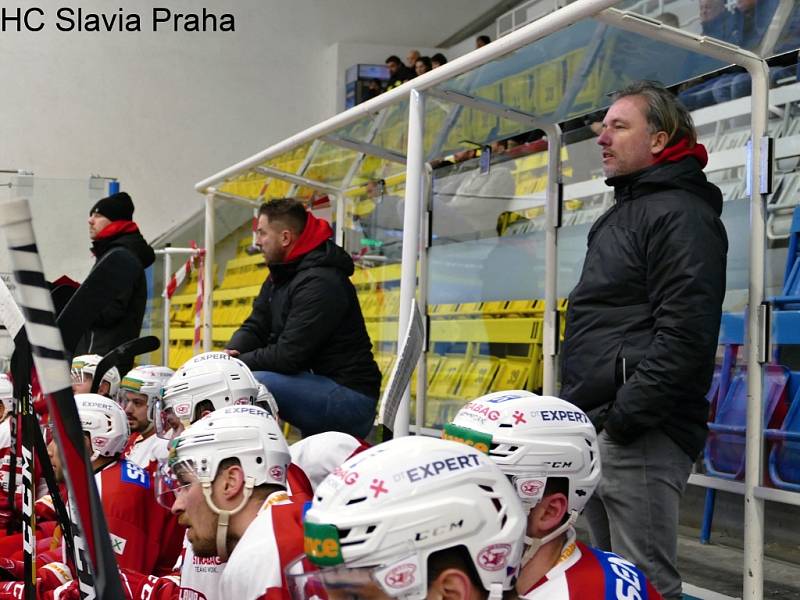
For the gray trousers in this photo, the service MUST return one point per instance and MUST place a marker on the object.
(634, 511)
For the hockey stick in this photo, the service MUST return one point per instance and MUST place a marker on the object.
(28, 424)
(96, 557)
(11, 316)
(400, 377)
(124, 351)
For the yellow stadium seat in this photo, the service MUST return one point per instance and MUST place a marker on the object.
(447, 377)
(512, 374)
(478, 377)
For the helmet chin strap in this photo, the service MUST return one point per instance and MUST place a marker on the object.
(535, 543)
(225, 515)
(495, 591)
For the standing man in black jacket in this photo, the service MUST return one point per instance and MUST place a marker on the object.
(306, 339)
(108, 307)
(643, 323)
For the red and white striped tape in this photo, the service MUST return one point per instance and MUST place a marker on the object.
(181, 274)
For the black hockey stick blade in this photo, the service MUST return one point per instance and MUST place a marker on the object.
(98, 573)
(121, 353)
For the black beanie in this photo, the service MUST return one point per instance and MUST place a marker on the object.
(116, 207)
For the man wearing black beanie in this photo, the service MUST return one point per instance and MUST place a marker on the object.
(108, 308)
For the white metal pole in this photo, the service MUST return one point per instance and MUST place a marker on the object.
(165, 329)
(208, 274)
(411, 241)
(340, 213)
(553, 209)
(756, 350)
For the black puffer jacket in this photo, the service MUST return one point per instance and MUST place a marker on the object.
(643, 321)
(108, 307)
(307, 318)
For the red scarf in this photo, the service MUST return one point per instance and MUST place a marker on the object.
(314, 233)
(115, 228)
(681, 150)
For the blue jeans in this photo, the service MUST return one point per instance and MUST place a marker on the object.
(314, 403)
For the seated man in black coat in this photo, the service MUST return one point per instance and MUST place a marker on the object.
(306, 339)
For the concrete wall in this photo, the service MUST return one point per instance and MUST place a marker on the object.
(162, 110)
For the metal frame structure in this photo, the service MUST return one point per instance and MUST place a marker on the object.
(416, 223)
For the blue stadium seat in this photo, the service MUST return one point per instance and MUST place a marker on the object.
(784, 456)
(790, 298)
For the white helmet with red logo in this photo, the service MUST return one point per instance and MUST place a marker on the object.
(215, 377)
(6, 393)
(244, 432)
(532, 438)
(105, 422)
(86, 364)
(378, 518)
(148, 380)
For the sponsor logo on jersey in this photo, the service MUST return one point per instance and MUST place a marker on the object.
(494, 557)
(476, 439)
(434, 468)
(118, 543)
(133, 473)
(190, 594)
(321, 544)
(623, 580)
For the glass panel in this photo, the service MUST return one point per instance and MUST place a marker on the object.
(330, 163)
(394, 131)
(373, 236)
(485, 280)
(572, 72)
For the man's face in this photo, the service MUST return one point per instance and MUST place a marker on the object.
(82, 385)
(627, 143)
(135, 406)
(393, 66)
(193, 511)
(55, 458)
(272, 240)
(97, 223)
(411, 58)
(710, 9)
(420, 67)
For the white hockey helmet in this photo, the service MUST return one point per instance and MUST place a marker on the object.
(105, 422)
(266, 400)
(531, 438)
(377, 518)
(6, 393)
(245, 432)
(86, 364)
(148, 380)
(216, 377)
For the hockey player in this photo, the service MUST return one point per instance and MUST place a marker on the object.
(229, 480)
(412, 518)
(83, 369)
(6, 407)
(144, 536)
(140, 390)
(319, 454)
(548, 449)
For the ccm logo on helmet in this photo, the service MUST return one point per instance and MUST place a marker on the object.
(563, 415)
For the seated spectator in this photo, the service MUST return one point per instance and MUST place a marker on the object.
(398, 73)
(305, 338)
(423, 65)
(670, 19)
(482, 40)
(438, 59)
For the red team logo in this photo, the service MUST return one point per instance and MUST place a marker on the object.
(400, 576)
(276, 473)
(494, 557)
(531, 487)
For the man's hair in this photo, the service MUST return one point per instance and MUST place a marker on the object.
(664, 111)
(395, 59)
(287, 211)
(484, 39)
(439, 58)
(425, 60)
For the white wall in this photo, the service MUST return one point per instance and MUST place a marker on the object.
(161, 111)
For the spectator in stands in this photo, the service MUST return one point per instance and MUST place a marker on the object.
(482, 40)
(108, 307)
(438, 59)
(670, 19)
(411, 59)
(305, 338)
(715, 21)
(373, 89)
(398, 73)
(643, 323)
(423, 65)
